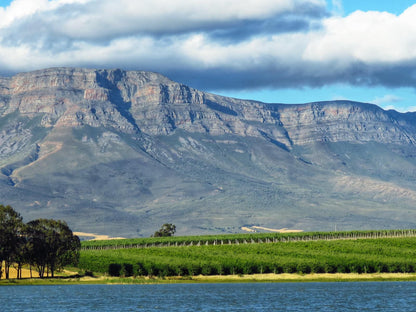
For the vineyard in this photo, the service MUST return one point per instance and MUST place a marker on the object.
(339, 252)
(231, 239)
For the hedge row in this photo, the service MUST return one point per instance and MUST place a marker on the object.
(192, 269)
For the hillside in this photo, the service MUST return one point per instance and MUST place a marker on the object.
(121, 152)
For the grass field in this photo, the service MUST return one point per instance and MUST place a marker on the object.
(253, 278)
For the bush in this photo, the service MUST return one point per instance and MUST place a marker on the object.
(194, 269)
(289, 267)
(181, 270)
(165, 270)
(252, 268)
(276, 269)
(140, 269)
(342, 268)
(356, 268)
(317, 267)
(303, 268)
(114, 269)
(150, 269)
(127, 270)
(206, 269)
(330, 268)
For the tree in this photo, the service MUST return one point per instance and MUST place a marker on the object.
(21, 252)
(11, 226)
(167, 229)
(51, 245)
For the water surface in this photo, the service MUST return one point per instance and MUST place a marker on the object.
(356, 296)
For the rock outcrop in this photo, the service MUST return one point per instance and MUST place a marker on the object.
(153, 104)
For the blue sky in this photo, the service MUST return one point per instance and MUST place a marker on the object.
(281, 51)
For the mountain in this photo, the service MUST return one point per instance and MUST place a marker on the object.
(122, 152)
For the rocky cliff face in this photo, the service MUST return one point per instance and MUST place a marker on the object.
(153, 104)
(70, 137)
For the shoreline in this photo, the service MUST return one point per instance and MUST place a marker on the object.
(255, 278)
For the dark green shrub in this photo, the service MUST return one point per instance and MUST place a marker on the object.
(317, 267)
(250, 268)
(381, 267)
(342, 268)
(227, 268)
(405, 268)
(140, 269)
(164, 269)
(369, 268)
(181, 270)
(127, 270)
(206, 269)
(330, 268)
(114, 269)
(151, 269)
(219, 269)
(276, 268)
(303, 268)
(356, 268)
(194, 269)
(289, 267)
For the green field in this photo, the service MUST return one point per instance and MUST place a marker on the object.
(326, 254)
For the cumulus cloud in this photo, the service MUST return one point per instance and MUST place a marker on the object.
(386, 99)
(214, 44)
(389, 102)
(105, 19)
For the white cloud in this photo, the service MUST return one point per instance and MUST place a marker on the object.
(388, 102)
(18, 9)
(400, 109)
(366, 37)
(91, 19)
(224, 43)
(386, 99)
(370, 37)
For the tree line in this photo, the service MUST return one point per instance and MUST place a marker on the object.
(44, 244)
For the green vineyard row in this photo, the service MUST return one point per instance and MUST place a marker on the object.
(231, 239)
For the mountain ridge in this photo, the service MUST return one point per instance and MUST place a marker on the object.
(133, 149)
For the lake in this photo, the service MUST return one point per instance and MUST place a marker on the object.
(356, 296)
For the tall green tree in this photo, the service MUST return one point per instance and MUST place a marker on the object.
(51, 245)
(167, 229)
(21, 252)
(11, 225)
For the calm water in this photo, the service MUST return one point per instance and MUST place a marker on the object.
(385, 296)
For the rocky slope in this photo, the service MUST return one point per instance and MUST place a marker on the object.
(121, 152)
